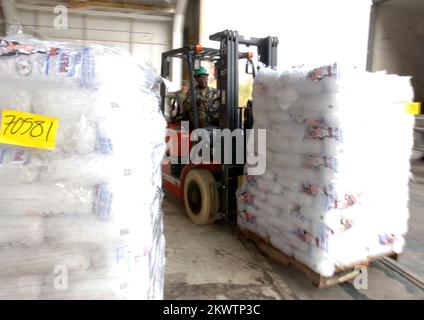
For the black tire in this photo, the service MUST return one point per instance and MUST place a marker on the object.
(200, 196)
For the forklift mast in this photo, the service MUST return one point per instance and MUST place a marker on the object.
(227, 68)
(232, 114)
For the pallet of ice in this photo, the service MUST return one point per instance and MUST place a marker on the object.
(91, 207)
(324, 198)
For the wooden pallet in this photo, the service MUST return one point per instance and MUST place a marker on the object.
(343, 273)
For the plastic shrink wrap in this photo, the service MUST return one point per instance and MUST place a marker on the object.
(82, 220)
(325, 198)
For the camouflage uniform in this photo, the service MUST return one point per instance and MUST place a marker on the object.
(179, 95)
(176, 99)
(208, 113)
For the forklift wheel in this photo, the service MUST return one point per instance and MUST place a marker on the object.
(200, 196)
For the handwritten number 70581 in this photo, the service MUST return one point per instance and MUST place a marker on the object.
(22, 126)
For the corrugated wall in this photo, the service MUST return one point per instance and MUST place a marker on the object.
(2, 28)
(145, 37)
(399, 43)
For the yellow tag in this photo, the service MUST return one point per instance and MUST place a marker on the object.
(28, 130)
(413, 108)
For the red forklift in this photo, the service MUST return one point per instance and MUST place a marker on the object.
(208, 189)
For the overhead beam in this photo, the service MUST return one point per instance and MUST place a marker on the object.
(126, 15)
(75, 4)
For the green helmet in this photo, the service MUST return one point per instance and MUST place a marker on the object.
(201, 71)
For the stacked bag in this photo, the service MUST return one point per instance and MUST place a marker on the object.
(335, 189)
(83, 220)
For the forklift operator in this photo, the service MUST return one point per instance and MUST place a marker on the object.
(206, 101)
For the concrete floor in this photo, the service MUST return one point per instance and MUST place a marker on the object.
(413, 258)
(212, 262)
